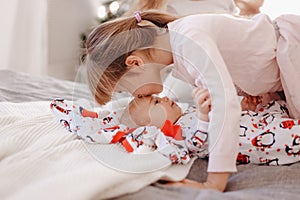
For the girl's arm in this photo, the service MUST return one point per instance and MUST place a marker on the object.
(217, 181)
(201, 63)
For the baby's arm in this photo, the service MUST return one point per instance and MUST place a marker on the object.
(203, 103)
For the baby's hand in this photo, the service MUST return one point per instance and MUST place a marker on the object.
(203, 103)
(250, 102)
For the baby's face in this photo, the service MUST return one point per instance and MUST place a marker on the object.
(154, 110)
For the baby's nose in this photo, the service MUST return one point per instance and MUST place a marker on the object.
(166, 99)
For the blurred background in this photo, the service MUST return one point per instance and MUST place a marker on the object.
(44, 37)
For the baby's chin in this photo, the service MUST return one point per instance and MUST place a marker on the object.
(178, 117)
(176, 120)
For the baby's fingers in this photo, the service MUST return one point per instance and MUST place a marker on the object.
(206, 104)
(197, 91)
(200, 95)
(203, 98)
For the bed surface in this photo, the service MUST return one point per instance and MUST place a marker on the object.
(250, 182)
(22, 87)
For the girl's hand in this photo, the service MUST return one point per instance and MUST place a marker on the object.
(250, 102)
(187, 183)
(215, 181)
(203, 103)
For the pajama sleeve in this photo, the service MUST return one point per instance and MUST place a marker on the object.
(199, 62)
(202, 126)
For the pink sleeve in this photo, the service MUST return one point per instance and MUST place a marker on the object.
(202, 62)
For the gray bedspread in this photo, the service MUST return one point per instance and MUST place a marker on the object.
(250, 182)
(21, 87)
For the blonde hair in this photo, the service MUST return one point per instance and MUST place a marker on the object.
(110, 43)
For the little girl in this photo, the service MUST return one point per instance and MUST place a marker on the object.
(223, 51)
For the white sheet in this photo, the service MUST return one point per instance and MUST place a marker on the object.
(41, 160)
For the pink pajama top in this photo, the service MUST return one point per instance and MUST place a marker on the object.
(221, 51)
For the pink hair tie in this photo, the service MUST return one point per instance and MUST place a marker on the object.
(137, 16)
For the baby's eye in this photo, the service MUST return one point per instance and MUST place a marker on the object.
(156, 102)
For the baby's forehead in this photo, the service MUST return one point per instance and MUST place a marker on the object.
(140, 104)
(141, 100)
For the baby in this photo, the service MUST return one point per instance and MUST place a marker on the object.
(154, 111)
(152, 124)
(267, 134)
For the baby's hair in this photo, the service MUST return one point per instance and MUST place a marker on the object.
(110, 43)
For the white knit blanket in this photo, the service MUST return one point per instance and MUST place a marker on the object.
(41, 160)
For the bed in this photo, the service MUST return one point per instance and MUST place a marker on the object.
(39, 160)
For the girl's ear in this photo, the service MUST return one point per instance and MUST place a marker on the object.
(134, 61)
